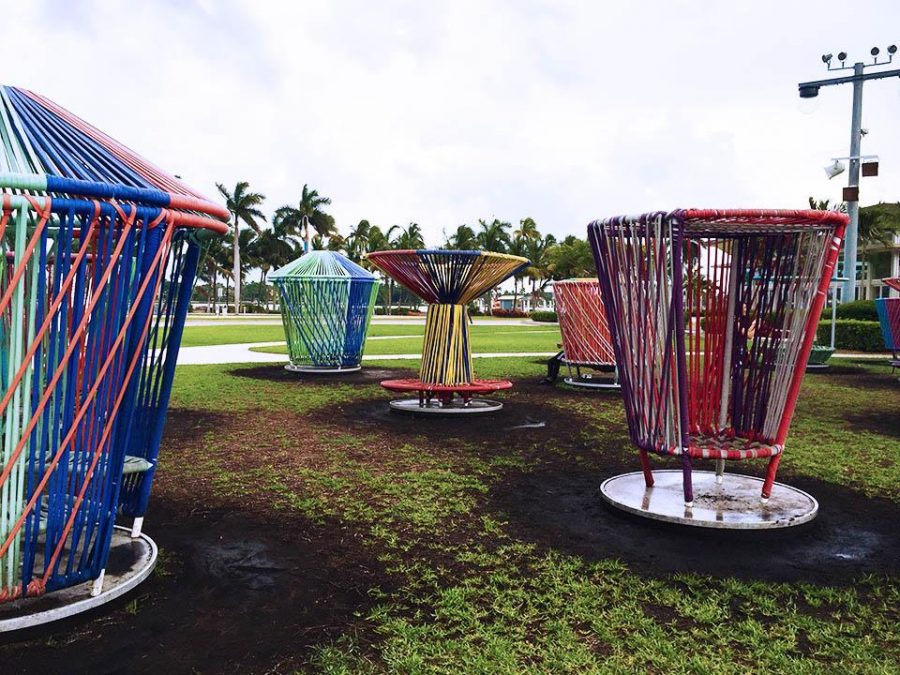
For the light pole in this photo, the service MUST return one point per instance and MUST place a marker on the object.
(851, 194)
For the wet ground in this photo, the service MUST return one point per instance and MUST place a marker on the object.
(240, 590)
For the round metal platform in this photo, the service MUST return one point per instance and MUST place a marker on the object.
(814, 367)
(130, 562)
(733, 505)
(317, 370)
(475, 406)
(590, 383)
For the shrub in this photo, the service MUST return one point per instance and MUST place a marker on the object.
(475, 310)
(861, 310)
(397, 311)
(860, 336)
(544, 316)
(510, 313)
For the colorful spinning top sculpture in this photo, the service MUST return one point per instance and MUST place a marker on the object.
(99, 254)
(326, 306)
(713, 314)
(889, 316)
(448, 281)
(585, 333)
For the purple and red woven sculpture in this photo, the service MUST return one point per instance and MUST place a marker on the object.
(889, 316)
(712, 315)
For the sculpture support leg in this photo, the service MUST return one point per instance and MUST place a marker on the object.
(771, 470)
(645, 465)
(686, 478)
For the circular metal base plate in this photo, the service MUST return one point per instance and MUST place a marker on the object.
(588, 383)
(130, 562)
(324, 370)
(476, 406)
(733, 505)
(816, 366)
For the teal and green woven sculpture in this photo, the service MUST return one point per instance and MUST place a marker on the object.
(326, 306)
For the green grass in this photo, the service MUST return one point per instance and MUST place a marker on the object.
(467, 595)
(485, 339)
(198, 336)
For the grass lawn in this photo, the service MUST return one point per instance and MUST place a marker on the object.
(499, 338)
(430, 548)
(198, 336)
(485, 339)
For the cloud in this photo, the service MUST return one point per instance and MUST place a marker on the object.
(442, 113)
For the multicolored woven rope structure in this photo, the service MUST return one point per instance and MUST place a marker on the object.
(326, 305)
(582, 322)
(99, 254)
(889, 316)
(712, 315)
(448, 281)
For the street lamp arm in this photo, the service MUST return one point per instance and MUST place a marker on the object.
(849, 79)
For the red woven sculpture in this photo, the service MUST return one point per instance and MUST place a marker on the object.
(585, 331)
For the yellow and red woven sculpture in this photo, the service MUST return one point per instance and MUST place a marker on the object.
(448, 281)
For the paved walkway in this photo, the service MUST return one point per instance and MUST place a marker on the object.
(221, 354)
(242, 353)
(275, 320)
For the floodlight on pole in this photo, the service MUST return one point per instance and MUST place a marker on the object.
(836, 168)
(811, 90)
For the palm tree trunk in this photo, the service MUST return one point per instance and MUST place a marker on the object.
(237, 269)
(265, 291)
(215, 290)
(390, 300)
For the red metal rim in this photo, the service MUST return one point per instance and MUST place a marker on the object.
(476, 387)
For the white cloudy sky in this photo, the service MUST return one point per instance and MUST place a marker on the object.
(445, 112)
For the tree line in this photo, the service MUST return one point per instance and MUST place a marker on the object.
(255, 242)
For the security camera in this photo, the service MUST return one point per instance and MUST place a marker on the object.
(842, 56)
(875, 51)
(892, 49)
(835, 169)
(826, 58)
(863, 132)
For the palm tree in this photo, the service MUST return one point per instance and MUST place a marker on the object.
(215, 262)
(357, 241)
(570, 258)
(250, 252)
(271, 250)
(297, 219)
(538, 253)
(494, 236)
(878, 223)
(335, 242)
(462, 240)
(518, 246)
(408, 238)
(527, 229)
(242, 205)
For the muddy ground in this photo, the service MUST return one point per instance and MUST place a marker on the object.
(239, 590)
